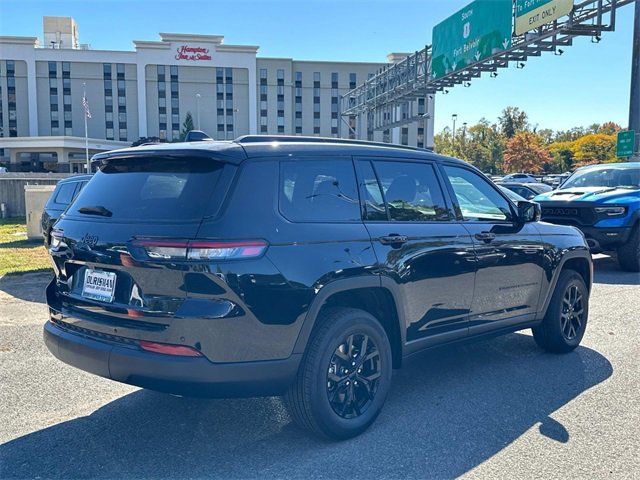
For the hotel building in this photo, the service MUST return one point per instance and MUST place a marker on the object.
(147, 92)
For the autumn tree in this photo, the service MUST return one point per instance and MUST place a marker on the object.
(594, 148)
(525, 153)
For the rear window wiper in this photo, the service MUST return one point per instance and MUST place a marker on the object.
(95, 210)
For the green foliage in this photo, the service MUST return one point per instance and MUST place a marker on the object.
(187, 126)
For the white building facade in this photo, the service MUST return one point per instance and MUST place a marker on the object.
(148, 92)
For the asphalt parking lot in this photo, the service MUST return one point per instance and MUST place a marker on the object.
(500, 408)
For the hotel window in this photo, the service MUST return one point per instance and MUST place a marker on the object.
(66, 96)
(421, 109)
(175, 102)
(280, 100)
(53, 98)
(162, 102)
(334, 80)
(11, 97)
(420, 143)
(230, 124)
(316, 103)
(298, 103)
(263, 101)
(352, 81)
(404, 135)
(122, 102)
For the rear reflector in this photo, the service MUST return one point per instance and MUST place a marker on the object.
(168, 349)
(201, 249)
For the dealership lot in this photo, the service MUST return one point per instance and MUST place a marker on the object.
(496, 408)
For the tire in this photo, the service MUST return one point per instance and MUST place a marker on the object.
(308, 398)
(629, 253)
(565, 322)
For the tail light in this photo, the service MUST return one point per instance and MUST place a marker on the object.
(56, 241)
(200, 249)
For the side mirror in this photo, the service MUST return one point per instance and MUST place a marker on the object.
(529, 211)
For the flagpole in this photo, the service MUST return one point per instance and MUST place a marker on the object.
(86, 132)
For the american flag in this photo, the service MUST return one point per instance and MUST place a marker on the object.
(85, 104)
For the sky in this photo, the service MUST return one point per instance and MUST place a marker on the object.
(588, 84)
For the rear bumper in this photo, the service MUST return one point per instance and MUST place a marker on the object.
(193, 376)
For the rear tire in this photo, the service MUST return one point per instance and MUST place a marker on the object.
(565, 322)
(629, 253)
(343, 379)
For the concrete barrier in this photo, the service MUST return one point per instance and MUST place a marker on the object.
(36, 197)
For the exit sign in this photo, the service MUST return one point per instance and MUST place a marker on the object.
(626, 143)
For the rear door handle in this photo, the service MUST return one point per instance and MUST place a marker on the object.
(394, 239)
(485, 236)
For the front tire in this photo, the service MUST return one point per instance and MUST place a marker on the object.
(344, 377)
(629, 253)
(565, 322)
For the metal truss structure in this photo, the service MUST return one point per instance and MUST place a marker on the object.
(388, 99)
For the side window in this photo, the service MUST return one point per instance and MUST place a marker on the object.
(318, 191)
(478, 200)
(374, 207)
(65, 194)
(411, 191)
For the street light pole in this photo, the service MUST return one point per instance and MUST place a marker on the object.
(198, 109)
(454, 117)
(634, 97)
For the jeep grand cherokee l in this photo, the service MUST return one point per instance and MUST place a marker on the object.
(302, 267)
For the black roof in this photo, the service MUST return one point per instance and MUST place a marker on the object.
(252, 146)
(76, 178)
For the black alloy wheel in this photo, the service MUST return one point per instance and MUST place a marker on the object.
(353, 375)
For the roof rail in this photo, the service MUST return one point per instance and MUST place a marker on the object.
(308, 139)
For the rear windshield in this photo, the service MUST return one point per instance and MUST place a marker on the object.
(150, 189)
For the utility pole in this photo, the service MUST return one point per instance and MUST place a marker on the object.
(634, 97)
(198, 109)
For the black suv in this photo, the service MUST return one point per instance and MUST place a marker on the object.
(65, 192)
(302, 267)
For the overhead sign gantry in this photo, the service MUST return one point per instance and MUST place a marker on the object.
(387, 100)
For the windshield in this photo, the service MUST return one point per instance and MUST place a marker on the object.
(149, 189)
(605, 177)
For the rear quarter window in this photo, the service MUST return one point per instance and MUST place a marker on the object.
(64, 194)
(319, 190)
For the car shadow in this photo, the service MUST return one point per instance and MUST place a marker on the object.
(448, 411)
(26, 286)
(606, 270)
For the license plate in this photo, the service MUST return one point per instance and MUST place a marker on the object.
(99, 285)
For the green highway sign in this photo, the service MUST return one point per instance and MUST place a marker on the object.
(474, 33)
(626, 143)
(532, 14)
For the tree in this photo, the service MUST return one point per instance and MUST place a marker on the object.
(562, 153)
(594, 148)
(187, 126)
(512, 121)
(609, 128)
(524, 153)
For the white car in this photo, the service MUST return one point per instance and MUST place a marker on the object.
(519, 178)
